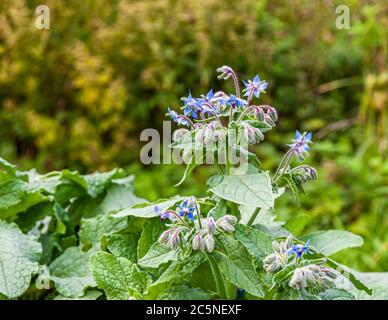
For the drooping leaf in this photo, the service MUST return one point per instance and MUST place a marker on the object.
(237, 266)
(253, 190)
(70, 272)
(146, 210)
(19, 256)
(332, 241)
(151, 232)
(16, 197)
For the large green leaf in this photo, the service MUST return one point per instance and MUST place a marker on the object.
(118, 277)
(93, 229)
(90, 295)
(184, 293)
(146, 210)
(253, 190)
(119, 197)
(19, 256)
(70, 272)
(237, 267)
(177, 273)
(151, 231)
(16, 196)
(332, 241)
(124, 245)
(255, 241)
(157, 255)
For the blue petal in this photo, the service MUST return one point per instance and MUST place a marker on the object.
(256, 78)
(309, 136)
(210, 94)
(298, 135)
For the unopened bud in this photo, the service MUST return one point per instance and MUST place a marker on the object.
(211, 225)
(179, 133)
(197, 240)
(227, 223)
(209, 243)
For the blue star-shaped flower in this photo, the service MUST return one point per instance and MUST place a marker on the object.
(233, 101)
(299, 249)
(185, 209)
(256, 86)
(176, 117)
(301, 144)
(191, 106)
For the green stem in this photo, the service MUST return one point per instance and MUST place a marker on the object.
(253, 217)
(217, 277)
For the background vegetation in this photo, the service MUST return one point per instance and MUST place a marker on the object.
(78, 95)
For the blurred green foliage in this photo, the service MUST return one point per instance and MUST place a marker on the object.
(78, 95)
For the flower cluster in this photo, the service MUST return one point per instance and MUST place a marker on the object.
(213, 114)
(303, 274)
(185, 233)
(314, 277)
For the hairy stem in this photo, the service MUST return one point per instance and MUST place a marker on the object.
(217, 277)
(253, 217)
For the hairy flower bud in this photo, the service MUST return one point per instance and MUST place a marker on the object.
(227, 223)
(175, 239)
(197, 240)
(269, 120)
(209, 243)
(273, 114)
(259, 114)
(274, 262)
(179, 133)
(211, 225)
(165, 237)
(314, 277)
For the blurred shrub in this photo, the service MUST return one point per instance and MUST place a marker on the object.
(78, 95)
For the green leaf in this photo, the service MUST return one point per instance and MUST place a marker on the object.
(146, 210)
(237, 266)
(297, 223)
(19, 256)
(264, 221)
(194, 162)
(98, 182)
(94, 228)
(252, 190)
(90, 295)
(119, 197)
(70, 272)
(124, 245)
(337, 294)
(177, 273)
(332, 241)
(157, 255)
(16, 197)
(257, 243)
(151, 231)
(8, 167)
(184, 293)
(118, 277)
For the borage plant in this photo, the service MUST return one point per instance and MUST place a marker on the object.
(228, 245)
(69, 236)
